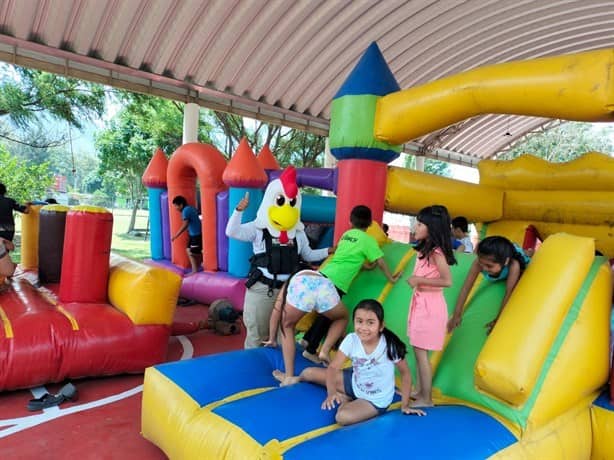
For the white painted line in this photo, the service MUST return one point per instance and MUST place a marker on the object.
(16, 425)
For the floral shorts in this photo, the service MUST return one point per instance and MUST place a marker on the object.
(310, 291)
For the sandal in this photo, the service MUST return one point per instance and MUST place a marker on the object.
(67, 393)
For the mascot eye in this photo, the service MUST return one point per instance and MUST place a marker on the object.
(280, 200)
(293, 202)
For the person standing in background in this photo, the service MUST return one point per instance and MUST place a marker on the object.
(7, 206)
(191, 223)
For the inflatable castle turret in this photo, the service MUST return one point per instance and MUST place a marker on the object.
(154, 179)
(267, 160)
(362, 167)
(243, 175)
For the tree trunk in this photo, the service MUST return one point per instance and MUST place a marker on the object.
(135, 208)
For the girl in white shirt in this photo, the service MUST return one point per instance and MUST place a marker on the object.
(367, 388)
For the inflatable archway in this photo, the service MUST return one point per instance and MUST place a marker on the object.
(190, 162)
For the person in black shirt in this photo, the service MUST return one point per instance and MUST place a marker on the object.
(7, 206)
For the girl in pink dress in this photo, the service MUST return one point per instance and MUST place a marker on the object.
(428, 313)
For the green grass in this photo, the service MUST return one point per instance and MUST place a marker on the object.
(135, 247)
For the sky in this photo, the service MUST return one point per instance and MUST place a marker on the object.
(465, 173)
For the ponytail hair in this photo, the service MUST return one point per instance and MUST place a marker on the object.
(395, 348)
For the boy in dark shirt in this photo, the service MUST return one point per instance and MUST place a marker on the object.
(191, 223)
(7, 206)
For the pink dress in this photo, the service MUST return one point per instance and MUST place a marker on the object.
(428, 312)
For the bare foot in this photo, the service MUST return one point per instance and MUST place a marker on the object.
(287, 381)
(420, 402)
(279, 375)
(311, 357)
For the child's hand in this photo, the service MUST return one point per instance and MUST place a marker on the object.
(411, 411)
(454, 322)
(396, 277)
(413, 281)
(331, 401)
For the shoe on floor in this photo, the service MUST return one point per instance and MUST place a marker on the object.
(67, 393)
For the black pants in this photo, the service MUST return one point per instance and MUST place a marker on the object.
(7, 234)
(316, 333)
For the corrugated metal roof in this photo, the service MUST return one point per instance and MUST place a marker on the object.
(283, 60)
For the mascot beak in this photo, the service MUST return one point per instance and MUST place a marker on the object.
(283, 215)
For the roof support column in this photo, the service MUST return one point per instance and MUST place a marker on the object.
(191, 113)
(420, 163)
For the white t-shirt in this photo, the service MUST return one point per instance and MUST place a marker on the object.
(373, 374)
(466, 241)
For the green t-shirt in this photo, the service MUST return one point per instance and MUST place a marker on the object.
(354, 248)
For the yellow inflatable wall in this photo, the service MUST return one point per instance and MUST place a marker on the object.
(573, 87)
(546, 361)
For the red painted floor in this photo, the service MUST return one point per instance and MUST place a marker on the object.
(111, 430)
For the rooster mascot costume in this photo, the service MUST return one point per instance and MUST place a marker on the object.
(279, 242)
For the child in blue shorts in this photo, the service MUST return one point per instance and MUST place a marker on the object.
(367, 388)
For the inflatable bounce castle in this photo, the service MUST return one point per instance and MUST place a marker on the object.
(222, 185)
(77, 311)
(534, 387)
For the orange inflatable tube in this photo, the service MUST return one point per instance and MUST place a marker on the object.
(191, 162)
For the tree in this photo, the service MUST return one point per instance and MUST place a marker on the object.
(28, 97)
(125, 151)
(146, 123)
(24, 181)
(290, 146)
(77, 166)
(564, 142)
(431, 166)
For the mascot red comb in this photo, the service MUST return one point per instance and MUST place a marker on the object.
(280, 210)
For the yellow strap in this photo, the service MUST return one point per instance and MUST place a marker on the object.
(237, 396)
(8, 329)
(291, 442)
(61, 309)
(400, 266)
(435, 356)
(71, 318)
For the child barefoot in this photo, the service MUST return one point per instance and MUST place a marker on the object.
(428, 311)
(366, 390)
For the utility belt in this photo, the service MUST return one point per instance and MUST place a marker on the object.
(273, 284)
(256, 275)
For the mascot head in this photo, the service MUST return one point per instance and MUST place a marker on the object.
(280, 210)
